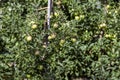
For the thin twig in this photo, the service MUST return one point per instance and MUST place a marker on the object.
(42, 8)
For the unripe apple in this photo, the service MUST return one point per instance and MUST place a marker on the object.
(58, 3)
(73, 39)
(62, 41)
(34, 26)
(56, 14)
(109, 12)
(76, 13)
(10, 64)
(53, 36)
(32, 22)
(55, 25)
(44, 46)
(72, 10)
(107, 35)
(103, 25)
(108, 6)
(82, 16)
(77, 18)
(28, 76)
(37, 52)
(29, 38)
(110, 36)
(49, 37)
(40, 67)
(51, 16)
(116, 11)
(114, 36)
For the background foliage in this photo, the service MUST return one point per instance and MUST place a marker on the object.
(84, 40)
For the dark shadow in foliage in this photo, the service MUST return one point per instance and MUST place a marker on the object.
(106, 1)
(3, 50)
(23, 14)
(2, 2)
(65, 9)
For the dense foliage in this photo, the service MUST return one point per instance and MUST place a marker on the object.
(84, 40)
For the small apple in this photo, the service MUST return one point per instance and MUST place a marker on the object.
(53, 36)
(34, 26)
(103, 25)
(28, 75)
(62, 41)
(58, 3)
(109, 12)
(55, 25)
(29, 38)
(73, 39)
(37, 52)
(110, 36)
(107, 35)
(108, 6)
(49, 37)
(76, 13)
(116, 11)
(51, 16)
(32, 22)
(77, 18)
(114, 36)
(72, 10)
(10, 64)
(44, 46)
(56, 14)
(82, 16)
(40, 67)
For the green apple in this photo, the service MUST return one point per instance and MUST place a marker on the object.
(29, 38)
(34, 26)
(77, 18)
(73, 39)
